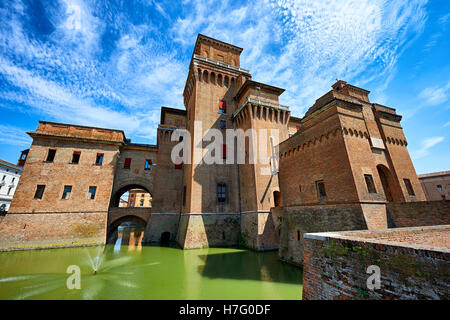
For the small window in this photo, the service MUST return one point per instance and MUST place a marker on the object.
(66, 192)
(224, 151)
(76, 157)
(321, 190)
(131, 203)
(51, 155)
(439, 188)
(3, 179)
(298, 235)
(141, 203)
(39, 191)
(180, 139)
(179, 163)
(222, 106)
(99, 159)
(9, 191)
(370, 184)
(223, 124)
(13, 179)
(409, 187)
(221, 192)
(127, 163)
(148, 164)
(92, 191)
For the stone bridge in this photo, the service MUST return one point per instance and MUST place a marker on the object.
(155, 224)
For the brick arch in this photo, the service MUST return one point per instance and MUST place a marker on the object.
(125, 185)
(114, 224)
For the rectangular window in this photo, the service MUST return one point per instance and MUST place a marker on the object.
(142, 203)
(370, 184)
(51, 155)
(321, 190)
(409, 187)
(223, 124)
(66, 192)
(3, 179)
(224, 151)
(39, 191)
(127, 163)
(9, 191)
(92, 191)
(99, 159)
(148, 164)
(221, 192)
(439, 188)
(222, 106)
(13, 180)
(76, 157)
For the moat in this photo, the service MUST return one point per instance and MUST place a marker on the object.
(148, 272)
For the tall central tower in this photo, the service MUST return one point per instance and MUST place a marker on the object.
(211, 207)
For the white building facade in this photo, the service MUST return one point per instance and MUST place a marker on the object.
(9, 178)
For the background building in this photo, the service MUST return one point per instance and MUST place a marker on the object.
(436, 185)
(9, 177)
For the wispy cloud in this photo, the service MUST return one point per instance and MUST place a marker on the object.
(426, 145)
(114, 65)
(432, 96)
(14, 136)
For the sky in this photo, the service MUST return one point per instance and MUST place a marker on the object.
(114, 64)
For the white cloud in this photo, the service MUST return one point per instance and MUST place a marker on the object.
(14, 136)
(432, 96)
(426, 144)
(301, 46)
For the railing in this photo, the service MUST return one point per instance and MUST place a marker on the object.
(221, 63)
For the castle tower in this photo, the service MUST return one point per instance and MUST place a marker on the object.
(259, 111)
(210, 210)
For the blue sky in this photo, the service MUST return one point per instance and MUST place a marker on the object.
(114, 65)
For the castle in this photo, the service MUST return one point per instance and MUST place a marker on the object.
(339, 165)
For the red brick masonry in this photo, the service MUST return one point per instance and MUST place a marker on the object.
(414, 264)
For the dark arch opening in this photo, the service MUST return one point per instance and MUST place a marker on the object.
(139, 192)
(165, 237)
(277, 198)
(127, 228)
(387, 181)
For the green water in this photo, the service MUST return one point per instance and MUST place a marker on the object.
(148, 272)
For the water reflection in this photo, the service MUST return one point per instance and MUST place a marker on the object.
(129, 237)
(147, 272)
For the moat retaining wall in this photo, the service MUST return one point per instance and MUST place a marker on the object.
(414, 264)
(414, 214)
(20, 231)
(199, 230)
(298, 220)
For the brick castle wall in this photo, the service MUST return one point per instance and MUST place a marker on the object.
(298, 220)
(414, 264)
(424, 213)
(43, 230)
